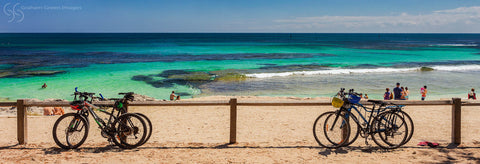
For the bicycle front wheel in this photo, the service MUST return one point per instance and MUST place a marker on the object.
(336, 130)
(70, 131)
(318, 127)
(391, 128)
(130, 131)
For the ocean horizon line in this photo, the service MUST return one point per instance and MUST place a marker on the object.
(231, 33)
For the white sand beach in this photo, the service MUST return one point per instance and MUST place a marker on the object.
(199, 134)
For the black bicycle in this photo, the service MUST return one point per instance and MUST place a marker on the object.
(120, 105)
(334, 129)
(127, 130)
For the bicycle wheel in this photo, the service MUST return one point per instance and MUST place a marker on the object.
(354, 129)
(410, 125)
(130, 131)
(149, 127)
(336, 129)
(318, 133)
(390, 128)
(70, 131)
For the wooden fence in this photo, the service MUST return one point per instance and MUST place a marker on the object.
(456, 104)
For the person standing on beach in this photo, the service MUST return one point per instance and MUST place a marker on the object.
(407, 92)
(403, 94)
(423, 91)
(388, 95)
(472, 95)
(397, 92)
(172, 96)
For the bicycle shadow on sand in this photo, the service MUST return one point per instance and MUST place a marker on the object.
(444, 153)
(451, 153)
(109, 148)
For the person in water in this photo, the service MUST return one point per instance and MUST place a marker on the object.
(472, 95)
(423, 91)
(44, 85)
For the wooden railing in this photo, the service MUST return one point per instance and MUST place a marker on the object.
(456, 103)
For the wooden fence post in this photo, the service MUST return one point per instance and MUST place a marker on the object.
(233, 120)
(21, 122)
(344, 129)
(456, 121)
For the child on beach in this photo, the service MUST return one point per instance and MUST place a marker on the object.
(423, 91)
(388, 95)
(472, 95)
(403, 94)
(366, 96)
(407, 92)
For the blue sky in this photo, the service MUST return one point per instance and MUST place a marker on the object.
(318, 16)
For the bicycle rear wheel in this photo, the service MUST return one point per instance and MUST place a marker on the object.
(409, 123)
(70, 131)
(336, 129)
(149, 127)
(130, 131)
(391, 128)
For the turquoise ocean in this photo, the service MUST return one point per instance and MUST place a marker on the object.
(236, 64)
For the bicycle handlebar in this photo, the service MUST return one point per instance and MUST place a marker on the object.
(350, 92)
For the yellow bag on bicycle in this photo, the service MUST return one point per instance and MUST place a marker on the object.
(337, 102)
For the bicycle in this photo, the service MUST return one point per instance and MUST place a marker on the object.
(399, 109)
(126, 130)
(120, 105)
(385, 124)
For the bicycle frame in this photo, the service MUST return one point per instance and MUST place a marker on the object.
(89, 109)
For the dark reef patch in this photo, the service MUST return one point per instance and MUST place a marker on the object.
(22, 74)
(191, 78)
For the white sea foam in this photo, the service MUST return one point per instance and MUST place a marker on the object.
(363, 71)
(332, 72)
(455, 45)
(457, 67)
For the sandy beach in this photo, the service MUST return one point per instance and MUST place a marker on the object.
(199, 134)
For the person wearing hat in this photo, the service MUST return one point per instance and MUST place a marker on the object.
(397, 92)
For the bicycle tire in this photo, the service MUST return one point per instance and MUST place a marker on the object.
(318, 133)
(77, 121)
(335, 130)
(126, 128)
(411, 127)
(387, 128)
(149, 127)
(356, 126)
